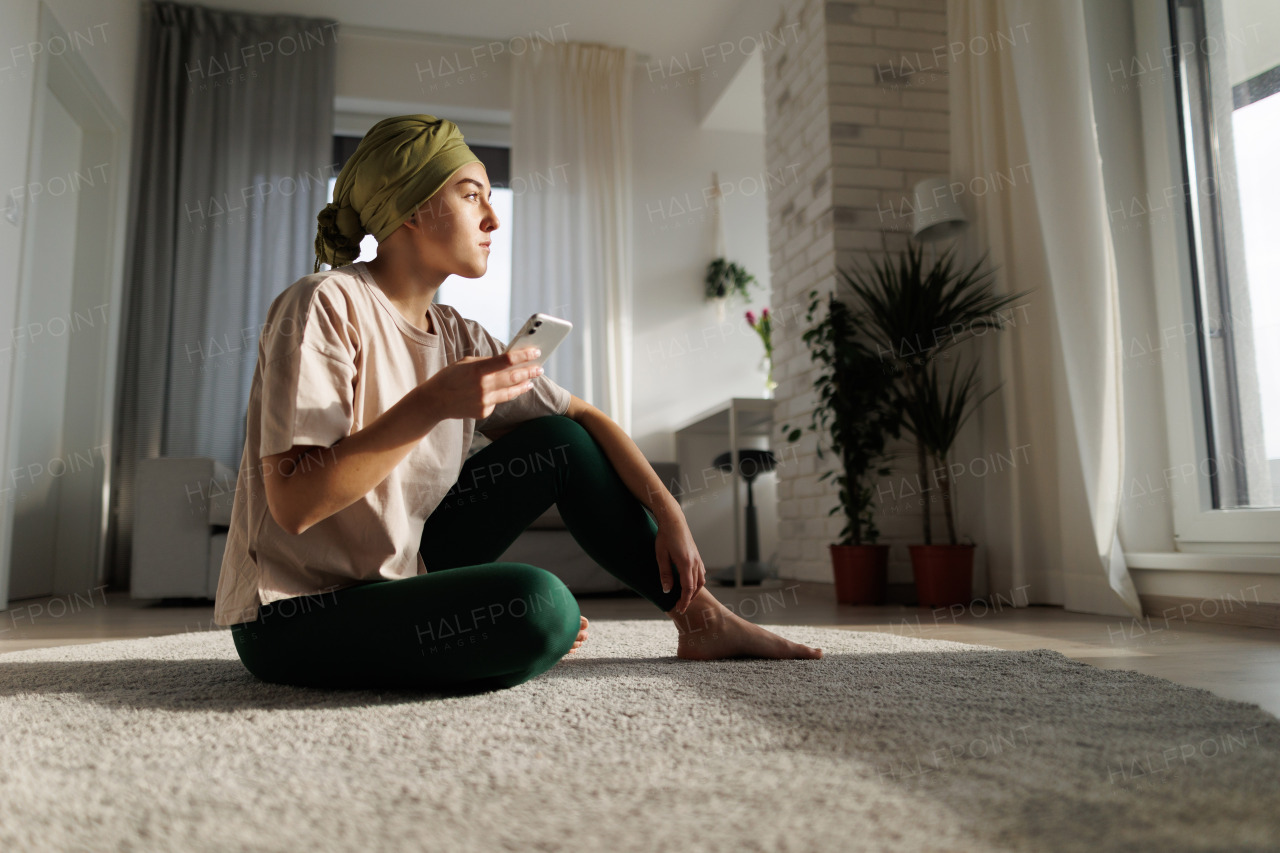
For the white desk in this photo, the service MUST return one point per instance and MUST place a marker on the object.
(739, 416)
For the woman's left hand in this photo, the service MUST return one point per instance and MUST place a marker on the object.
(675, 544)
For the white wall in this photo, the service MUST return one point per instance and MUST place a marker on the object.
(686, 359)
(382, 74)
(106, 33)
(44, 369)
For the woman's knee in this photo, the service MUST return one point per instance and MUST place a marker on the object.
(253, 655)
(560, 434)
(537, 610)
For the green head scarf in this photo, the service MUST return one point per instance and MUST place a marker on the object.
(400, 163)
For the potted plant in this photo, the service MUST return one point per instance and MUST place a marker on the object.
(724, 278)
(855, 414)
(934, 416)
(916, 314)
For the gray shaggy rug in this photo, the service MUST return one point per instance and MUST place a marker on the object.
(888, 743)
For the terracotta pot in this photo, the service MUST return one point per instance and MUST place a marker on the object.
(943, 573)
(861, 572)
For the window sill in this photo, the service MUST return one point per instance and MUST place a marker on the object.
(1250, 564)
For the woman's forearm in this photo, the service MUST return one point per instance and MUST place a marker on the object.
(468, 388)
(634, 470)
(328, 480)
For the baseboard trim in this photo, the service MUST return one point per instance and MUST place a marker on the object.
(1226, 610)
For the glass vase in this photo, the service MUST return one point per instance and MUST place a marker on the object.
(766, 364)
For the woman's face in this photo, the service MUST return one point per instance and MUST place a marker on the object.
(454, 224)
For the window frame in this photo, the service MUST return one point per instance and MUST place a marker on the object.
(1175, 245)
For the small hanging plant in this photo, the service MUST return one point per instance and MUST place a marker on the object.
(724, 278)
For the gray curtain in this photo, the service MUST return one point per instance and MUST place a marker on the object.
(233, 150)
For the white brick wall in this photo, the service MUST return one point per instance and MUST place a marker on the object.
(842, 104)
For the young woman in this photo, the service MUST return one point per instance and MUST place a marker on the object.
(364, 538)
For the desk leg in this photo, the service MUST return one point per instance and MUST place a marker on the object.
(737, 508)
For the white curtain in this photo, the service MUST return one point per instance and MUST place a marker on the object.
(571, 176)
(1025, 146)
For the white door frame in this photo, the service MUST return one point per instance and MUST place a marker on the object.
(98, 279)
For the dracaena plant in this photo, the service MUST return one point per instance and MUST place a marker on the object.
(934, 414)
(914, 313)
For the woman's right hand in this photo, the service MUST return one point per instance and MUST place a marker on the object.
(471, 387)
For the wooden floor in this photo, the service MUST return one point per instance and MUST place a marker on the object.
(1238, 663)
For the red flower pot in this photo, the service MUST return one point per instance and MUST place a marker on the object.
(943, 573)
(861, 572)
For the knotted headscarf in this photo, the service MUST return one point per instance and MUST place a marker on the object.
(401, 162)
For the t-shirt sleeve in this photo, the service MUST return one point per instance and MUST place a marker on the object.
(308, 377)
(544, 398)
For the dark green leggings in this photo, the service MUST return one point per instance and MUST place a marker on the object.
(470, 623)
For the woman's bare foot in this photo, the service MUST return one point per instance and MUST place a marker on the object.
(582, 635)
(711, 631)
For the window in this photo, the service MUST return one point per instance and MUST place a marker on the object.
(487, 299)
(1227, 91)
(1203, 66)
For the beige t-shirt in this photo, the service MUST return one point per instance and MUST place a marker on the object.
(334, 354)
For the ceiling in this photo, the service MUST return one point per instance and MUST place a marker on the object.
(657, 28)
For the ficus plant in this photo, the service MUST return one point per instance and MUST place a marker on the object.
(854, 417)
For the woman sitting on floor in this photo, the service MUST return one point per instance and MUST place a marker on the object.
(363, 538)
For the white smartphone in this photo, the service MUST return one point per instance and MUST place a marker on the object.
(543, 331)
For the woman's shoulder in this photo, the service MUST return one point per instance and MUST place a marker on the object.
(334, 291)
(470, 337)
(320, 308)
